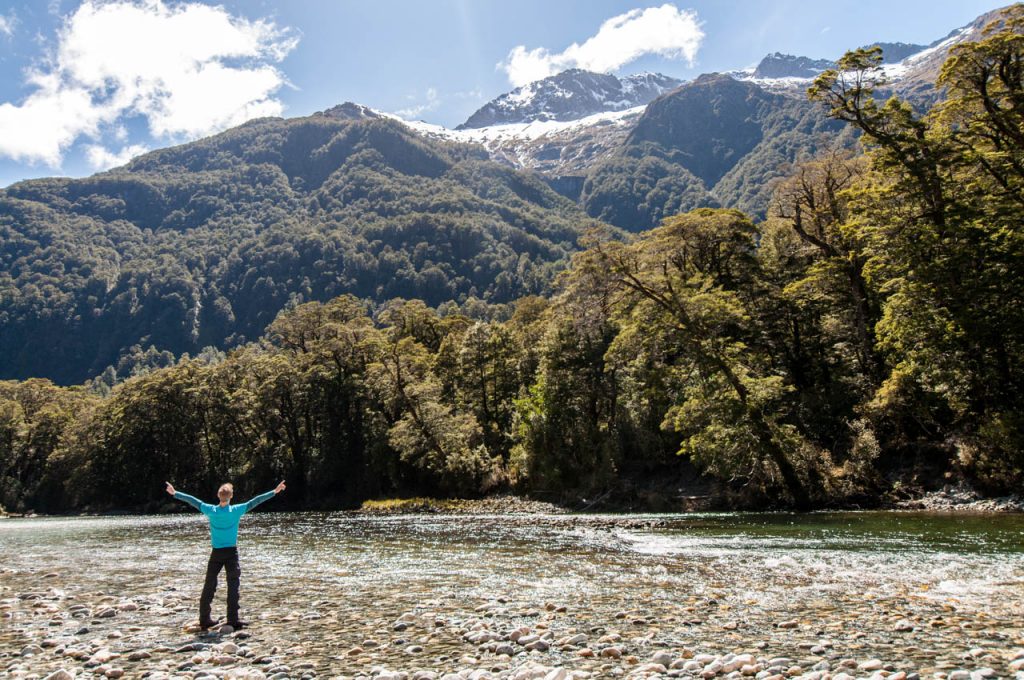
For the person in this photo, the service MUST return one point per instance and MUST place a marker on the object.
(223, 519)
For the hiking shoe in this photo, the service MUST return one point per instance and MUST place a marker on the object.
(238, 625)
(207, 625)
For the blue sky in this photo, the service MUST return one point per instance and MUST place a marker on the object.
(86, 85)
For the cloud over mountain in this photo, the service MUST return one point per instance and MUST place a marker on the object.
(666, 31)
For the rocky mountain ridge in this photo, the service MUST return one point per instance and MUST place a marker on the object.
(571, 95)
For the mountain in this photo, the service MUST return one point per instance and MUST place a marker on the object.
(778, 65)
(570, 95)
(630, 166)
(558, 126)
(910, 69)
(203, 244)
(714, 141)
(895, 52)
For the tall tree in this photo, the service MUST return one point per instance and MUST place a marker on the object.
(941, 225)
(681, 282)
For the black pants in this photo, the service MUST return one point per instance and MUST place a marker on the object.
(221, 557)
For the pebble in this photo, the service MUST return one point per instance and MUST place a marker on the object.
(59, 674)
(662, 658)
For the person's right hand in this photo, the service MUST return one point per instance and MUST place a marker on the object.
(170, 489)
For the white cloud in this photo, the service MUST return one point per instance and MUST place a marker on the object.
(188, 69)
(431, 102)
(475, 93)
(7, 23)
(666, 31)
(101, 158)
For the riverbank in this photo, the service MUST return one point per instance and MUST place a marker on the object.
(57, 632)
(961, 498)
(958, 497)
(951, 498)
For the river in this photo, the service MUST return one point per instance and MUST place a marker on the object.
(326, 593)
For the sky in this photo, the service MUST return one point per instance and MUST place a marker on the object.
(86, 85)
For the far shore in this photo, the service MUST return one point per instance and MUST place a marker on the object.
(949, 499)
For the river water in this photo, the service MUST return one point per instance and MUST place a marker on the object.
(925, 592)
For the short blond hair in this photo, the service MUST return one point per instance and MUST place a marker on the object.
(226, 489)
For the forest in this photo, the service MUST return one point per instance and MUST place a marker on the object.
(864, 337)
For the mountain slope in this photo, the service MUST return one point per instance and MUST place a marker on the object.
(203, 244)
(714, 141)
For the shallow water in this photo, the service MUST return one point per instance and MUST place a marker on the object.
(711, 582)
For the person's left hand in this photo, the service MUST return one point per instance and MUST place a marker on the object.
(280, 487)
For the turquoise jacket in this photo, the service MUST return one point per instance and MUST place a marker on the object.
(223, 518)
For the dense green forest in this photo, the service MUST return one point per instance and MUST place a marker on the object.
(203, 244)
(868, 333)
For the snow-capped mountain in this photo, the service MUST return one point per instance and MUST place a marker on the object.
(552, 147)
(910, 70)
(593, 136)
(559, 125)
(563, 124)
(571, 95)
(778, 65)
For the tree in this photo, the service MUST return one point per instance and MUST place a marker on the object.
(428, 434)
(941, 230)
(681, 281)
(814, 203)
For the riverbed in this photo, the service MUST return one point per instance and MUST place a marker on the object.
(526, 596)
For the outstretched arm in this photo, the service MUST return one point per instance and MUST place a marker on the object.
(264, 497)
(191, 500)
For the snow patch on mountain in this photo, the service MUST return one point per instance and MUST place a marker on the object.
(902, 68)
(569, 96)
(532, 130)
(518, 143)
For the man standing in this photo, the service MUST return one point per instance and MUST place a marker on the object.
(224, 519)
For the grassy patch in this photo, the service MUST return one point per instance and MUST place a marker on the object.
(417, 504)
